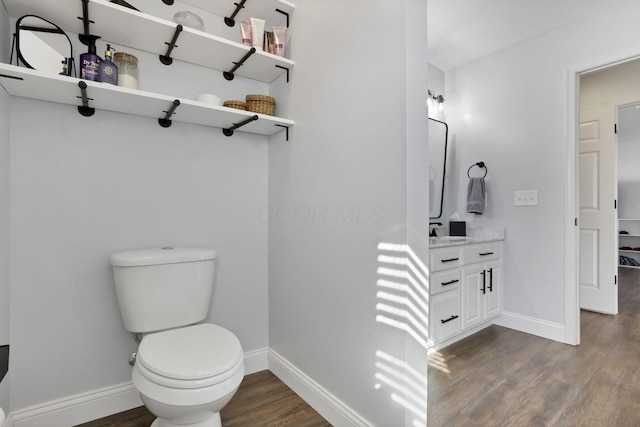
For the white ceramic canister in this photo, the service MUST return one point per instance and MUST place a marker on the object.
(209, 98)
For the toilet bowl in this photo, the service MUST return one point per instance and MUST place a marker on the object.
(185, 376)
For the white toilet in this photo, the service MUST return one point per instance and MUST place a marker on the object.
(185, 372)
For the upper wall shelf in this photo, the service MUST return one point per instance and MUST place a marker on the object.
(263, 9)
(145, 32)
(33, 84)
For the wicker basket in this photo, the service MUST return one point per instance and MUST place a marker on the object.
(238, 105)
(261, 104)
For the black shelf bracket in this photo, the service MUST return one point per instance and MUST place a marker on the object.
(86, 37)
(85, 110)
(229, 74)
(230, 21)
(166, 59)
(166, 122)
(285, 14)
(284, 68)
(229, 131)
(286, 130)
(167, 2)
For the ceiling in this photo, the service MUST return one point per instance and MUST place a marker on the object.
(460, 31)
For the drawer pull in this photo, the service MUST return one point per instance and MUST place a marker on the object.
(450, 282)
(449, 319)
(486, 253)
(449, 259)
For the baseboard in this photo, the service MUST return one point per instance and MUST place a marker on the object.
(531, 325)
(77, 409)
(256, 361)
(331, 408)
(96, 404)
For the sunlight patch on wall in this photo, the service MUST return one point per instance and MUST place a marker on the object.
(403, 303)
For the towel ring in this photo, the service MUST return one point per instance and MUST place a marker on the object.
(480, 165)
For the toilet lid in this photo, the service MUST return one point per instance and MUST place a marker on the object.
(191, 353)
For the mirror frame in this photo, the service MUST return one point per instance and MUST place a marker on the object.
(444, 167)
(16, 38)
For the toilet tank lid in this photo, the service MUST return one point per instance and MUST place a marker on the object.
(164, 255)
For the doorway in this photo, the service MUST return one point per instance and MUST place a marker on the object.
(605, 84)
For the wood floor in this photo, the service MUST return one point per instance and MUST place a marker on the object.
(261, 401)
(501, 377)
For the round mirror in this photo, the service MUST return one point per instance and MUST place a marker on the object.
(42, 45)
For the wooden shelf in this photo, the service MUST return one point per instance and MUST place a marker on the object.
(145, 32)
(263, 9)
(27, 83)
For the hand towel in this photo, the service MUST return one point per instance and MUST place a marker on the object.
(475, 196)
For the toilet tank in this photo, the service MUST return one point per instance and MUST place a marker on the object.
(163, 288)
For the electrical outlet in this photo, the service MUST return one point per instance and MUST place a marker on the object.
(525, 198)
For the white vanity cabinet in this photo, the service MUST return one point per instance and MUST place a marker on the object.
(481, 284)
(465, 289)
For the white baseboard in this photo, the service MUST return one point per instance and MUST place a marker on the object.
(256, 361)
(327, 405)
(531, 325)
(77, 409)
(96, 404)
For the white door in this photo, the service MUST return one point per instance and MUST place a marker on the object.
(493, 303)
(598, 211)
(471, 283)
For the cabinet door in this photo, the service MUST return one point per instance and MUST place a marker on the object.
(493, 296)
(471, 295)
(445, 316)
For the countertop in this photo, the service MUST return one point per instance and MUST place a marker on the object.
(446, 241)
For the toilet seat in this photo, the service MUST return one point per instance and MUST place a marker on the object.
(191, 357)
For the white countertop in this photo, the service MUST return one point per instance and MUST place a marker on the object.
(445, 241)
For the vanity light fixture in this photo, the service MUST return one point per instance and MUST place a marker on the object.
(439, 99)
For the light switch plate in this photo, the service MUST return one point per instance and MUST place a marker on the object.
(525, 198)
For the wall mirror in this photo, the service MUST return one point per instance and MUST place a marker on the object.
(438, 134)
(41, 45)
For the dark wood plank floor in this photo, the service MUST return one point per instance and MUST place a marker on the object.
(501, 377)
(261, 401)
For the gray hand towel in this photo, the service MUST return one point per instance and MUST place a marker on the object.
(475, 196)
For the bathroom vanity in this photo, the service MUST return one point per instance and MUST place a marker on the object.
(465, 286)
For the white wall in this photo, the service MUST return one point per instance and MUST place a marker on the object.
(509, 110)
(85, 187)
(5, 47)
(340, 188)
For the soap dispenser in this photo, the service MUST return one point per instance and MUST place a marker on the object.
(107, 70)
(90, 61)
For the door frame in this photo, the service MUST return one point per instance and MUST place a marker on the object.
(572, 208)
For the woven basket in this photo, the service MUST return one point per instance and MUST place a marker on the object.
(261, 104)
(238, 105)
